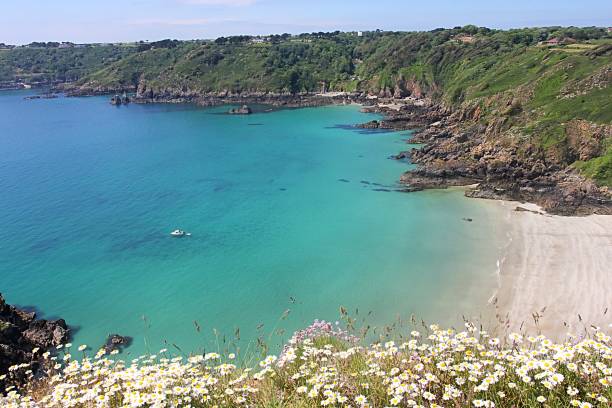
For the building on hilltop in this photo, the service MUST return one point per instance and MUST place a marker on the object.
(551, 41)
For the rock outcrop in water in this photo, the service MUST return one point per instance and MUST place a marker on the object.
(116, 342)
(42, 96)
(23, 340)
(243, 110)
(118, 100)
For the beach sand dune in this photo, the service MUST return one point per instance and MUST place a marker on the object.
(559, 268)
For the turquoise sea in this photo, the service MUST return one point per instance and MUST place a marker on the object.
(290, 209)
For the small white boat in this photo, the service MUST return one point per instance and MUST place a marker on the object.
(180, 233)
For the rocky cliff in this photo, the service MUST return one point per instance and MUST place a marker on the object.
(23, 340)
(457, 149)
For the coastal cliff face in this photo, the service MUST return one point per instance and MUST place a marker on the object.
(534, 126)
(150, 93)
(459, 149)
(23, 340)
(462, 152)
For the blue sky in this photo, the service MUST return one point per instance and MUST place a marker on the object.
(23, 21)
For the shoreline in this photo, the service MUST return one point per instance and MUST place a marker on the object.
(553, 270)
(544, 254)
(142, 95)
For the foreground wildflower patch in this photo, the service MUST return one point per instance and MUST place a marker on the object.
(324, 366)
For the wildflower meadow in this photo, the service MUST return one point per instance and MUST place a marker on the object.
(323, 365)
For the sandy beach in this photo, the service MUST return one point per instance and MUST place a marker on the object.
(558, 268)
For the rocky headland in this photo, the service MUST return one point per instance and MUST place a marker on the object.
(23, 340)
(459, 150)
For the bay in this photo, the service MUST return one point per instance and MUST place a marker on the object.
(289, 210)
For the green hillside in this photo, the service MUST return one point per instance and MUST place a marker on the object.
(53, 64)
(291, 65)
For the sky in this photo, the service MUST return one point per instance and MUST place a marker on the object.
(83, 21)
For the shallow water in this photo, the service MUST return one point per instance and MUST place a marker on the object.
(288, 210)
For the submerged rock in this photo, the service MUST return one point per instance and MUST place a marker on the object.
(400, 156)
(43, 96)
(373, 124)
(243, 110)
(116, 342)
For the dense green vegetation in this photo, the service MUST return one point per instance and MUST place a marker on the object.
(292, 65)
(531, 89)
(344, 61)
(598, 168)
(53, 64)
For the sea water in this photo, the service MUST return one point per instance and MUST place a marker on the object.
(291, 212)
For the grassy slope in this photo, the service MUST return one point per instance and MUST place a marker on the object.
(533, 81)
(128, 70)
(536, 90)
